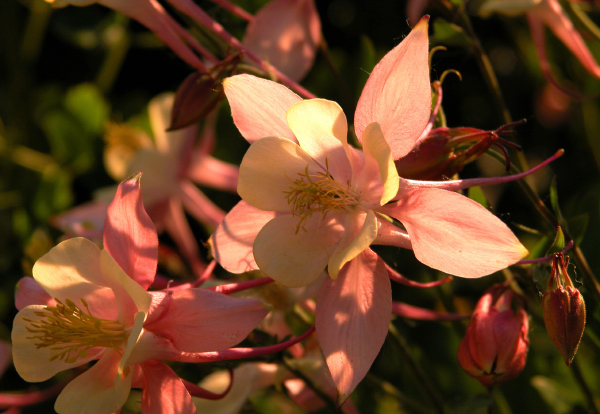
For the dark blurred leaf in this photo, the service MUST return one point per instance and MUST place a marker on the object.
(561, 399)
(88, 105)
(53, 194)
(577, 227)
(449, 34)
(555, 205)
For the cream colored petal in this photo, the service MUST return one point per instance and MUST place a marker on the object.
(268, 170)
(71, 270)
(361, 231)
(33, 364)
(131, 297)
(378, 158)
(99, 390)
(292, 258)
(132, 340)
(322, 129)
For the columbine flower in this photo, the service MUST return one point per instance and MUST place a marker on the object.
(564, 310)
(311, 201)
(286, 33)
(548, 13)
(96, 308)
(494, 348)
(171, 166)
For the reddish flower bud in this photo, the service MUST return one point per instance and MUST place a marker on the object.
(446, 151)
(564, 310)
(494, 348)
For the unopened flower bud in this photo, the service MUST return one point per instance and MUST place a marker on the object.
(445, 151)
(564, 310)
(494, 348)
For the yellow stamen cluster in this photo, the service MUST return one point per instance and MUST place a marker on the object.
(318, 193)
(71, 332)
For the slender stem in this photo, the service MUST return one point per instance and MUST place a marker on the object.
(588, 393)
(424, 381)
(115, 56)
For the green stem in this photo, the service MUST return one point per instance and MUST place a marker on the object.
(425, 383)
(117, 50)
(587, 392)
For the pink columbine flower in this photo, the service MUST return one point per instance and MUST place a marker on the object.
(541, 13)
(494, 348)
(96, 308)
(310, 202)
(286, 34)
(171, 165)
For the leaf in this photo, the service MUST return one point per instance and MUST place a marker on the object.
(86, 103)
(561, 399)
(555, 205)
(558, 244)
(449, 34)
(476, 194)
(578, 226)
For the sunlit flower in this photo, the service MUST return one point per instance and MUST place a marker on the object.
(96, 308)
(311, 201)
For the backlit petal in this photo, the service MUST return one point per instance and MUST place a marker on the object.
(164, 391)
(397, 95)
(96, 391)
(296, 257)
(322, 129)
(129, 234)
(353, 313)
(259, 106)
(360, 231)
(456, 235)
(268, 170)
(233, 240)
(200, 320)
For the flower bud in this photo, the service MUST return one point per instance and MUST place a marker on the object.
(494, 348)
(564, 310)
(445, 151)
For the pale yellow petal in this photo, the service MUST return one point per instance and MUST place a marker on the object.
(376, 147)
(268, 169)
(361, 230)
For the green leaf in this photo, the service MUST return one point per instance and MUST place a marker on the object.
(561, 399)
(476, 194)
(53, 194)
(578, 226)
(86, 103)
(367, 59)
(449, 34)
(555, 205)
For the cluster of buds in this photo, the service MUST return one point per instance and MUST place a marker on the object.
(494, 349)
(445, 151)
(564, 310)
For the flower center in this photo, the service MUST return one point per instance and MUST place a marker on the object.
(71, 332)
(318, 192)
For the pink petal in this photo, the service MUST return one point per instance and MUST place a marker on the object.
(295, 256)
(232, 242)
(178, 228)
(199, 206)
(199, 320)
(129, 235)
(29, 292)
(164, 391)
(551, 14)
(98, 390)
(353, 313)
(86, 220)
(286, 33)
(259, 107)
(397, 94)
(210, 172)
(454, 234)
